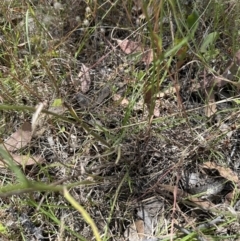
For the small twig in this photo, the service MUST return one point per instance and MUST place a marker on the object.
(185, 231)
(219, 219)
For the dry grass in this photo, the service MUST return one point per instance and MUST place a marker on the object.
(140, 124)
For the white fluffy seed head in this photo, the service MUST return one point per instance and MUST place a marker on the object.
(88, 10)
(86, 22)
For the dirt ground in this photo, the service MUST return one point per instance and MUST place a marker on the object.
(139, 122)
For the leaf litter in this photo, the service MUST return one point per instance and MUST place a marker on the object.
(225, 172)
(25, 160)
(130, 47)
(155, 156)
(143, 229)
(19, 139)
(22, 138)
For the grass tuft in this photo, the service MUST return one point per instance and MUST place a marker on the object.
(127, 100)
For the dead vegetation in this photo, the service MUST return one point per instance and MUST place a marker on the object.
(119, 120)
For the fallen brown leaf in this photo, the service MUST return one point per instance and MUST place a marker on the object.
(20, 138)
(135, 232)
(23, 160)
(139, 224)
(223, 171)
(147, 57)
(229, 198)
(185, 197)
(128, 46)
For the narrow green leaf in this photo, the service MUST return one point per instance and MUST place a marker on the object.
(192, 20)
(12, 166)
(192, 23)
(209, 41)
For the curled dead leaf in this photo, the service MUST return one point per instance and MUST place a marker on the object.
(147, 57)
(128, 46)
(20, 138)
(184, 197)
(135, 232)
(23, 160)
(225, 172)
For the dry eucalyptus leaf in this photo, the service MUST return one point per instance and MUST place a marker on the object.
(223, 171)
(20, 138)
(27, 160)
(84, 79)
(135, 231)
(24, 160)
(147, 57)
(128, 46)
(181, 196)
(148, 222)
